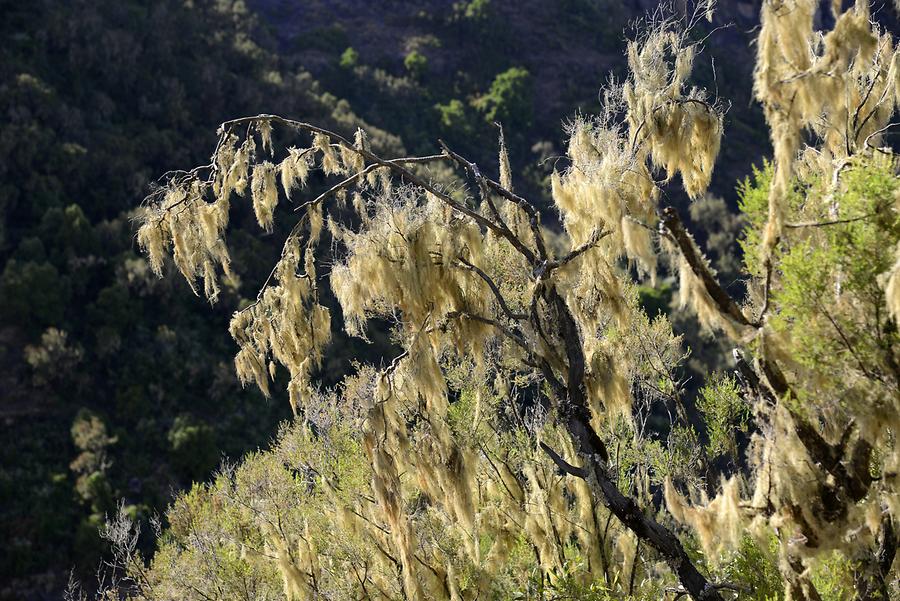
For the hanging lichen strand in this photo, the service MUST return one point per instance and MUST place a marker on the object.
(840, 86)
(505, 432)
(612, 162)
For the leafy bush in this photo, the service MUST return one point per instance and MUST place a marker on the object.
(192, 447)
(349, 58)
(509, 100)
(416, 64)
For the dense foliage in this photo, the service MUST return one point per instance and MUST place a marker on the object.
(507, 450)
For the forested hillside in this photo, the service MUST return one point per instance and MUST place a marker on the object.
(452, 69)
(96, 400)
(118, 385)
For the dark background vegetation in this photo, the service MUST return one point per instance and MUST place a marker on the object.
(117, 385)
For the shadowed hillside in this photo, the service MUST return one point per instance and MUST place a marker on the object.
(568, 49)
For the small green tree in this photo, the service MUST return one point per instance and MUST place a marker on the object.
(192, 447)
(349, 58)
(416, 64)
(509, 99)
(472, 10)
(92, 463)
(454, 118)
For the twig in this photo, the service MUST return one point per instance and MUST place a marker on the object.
(492, 322)
(803, 224)
(530, 210)
(595, 238)
(877, 132)
(369, 168)
(724, 586)
(493, 286)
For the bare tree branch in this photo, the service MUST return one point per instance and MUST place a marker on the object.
(803, 224)
(565, 466)
(722, 299)
(397, 168)
(496, 324)
(359, 174)
(595, 238)
(530, 210)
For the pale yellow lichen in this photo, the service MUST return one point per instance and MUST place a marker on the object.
(294, 170)
(718, 523)
(265, 194)
(331, 163)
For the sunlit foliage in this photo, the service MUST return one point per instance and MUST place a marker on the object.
(506, 451)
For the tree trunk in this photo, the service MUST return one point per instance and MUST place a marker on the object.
(593, 451)
(871, 579)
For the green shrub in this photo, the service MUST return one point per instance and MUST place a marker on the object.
(349, 59)
(509, 100)
(416, 64)
(192, 447)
